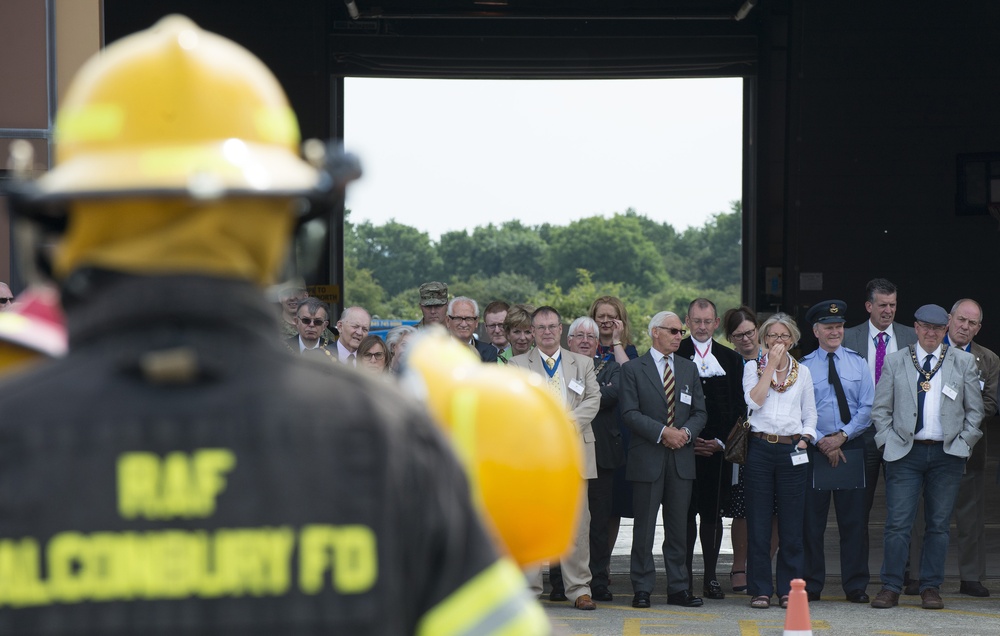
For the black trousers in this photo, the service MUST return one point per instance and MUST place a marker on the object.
(852, 526)
(599, 495)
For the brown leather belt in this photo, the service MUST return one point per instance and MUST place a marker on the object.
(927, 442)
(771, 438)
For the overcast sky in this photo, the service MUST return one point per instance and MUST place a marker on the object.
(445, 155)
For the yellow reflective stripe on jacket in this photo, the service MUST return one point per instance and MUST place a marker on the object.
(496, 602)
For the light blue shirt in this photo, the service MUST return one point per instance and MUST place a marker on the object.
(858, 388)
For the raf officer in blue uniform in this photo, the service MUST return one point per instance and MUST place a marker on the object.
(844, 395)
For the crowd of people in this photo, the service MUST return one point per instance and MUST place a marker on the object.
(878, 398)
(155, 481)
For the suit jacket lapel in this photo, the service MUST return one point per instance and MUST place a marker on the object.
(911, 373)
(535, 361)
(568, 371)
(653, 374)
(948, 369)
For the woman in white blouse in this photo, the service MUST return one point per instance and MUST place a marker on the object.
(780, 393)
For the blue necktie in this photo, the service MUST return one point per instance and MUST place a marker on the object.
(921, 394)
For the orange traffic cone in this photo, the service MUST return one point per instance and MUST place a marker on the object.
(797, 621)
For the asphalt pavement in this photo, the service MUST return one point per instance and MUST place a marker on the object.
(833, 614)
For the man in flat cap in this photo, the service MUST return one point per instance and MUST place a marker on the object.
(433, 303)
(964, 323)
(927, 411)
(844, 393)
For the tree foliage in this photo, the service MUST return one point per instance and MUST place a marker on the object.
(648, 264)
(398, 256)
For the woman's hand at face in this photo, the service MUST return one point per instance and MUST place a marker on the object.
(776, 355)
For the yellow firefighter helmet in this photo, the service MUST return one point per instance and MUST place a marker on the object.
(175, 109)
(177, 152)
(518, 443)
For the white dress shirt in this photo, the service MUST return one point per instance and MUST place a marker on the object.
(708, 365)
(932, 400)
(792, 412)
(890, 345)
(303, 347)
(344, 354)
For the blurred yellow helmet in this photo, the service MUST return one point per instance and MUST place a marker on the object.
(175, 109)
(518, 443)
(178, 152)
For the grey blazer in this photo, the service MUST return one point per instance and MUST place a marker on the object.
(894, 412)
(856, 338)
(644, 410)
(583, 406)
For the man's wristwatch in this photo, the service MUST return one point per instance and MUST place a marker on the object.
(844, 433)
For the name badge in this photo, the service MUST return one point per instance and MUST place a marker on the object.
(950, 392)
(685, 398)
(575, 386)
(799, 457)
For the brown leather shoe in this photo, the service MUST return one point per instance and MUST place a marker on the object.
(885, 599)
(930, 599)
(585, 603)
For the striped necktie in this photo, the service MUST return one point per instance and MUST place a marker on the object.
(668, 390)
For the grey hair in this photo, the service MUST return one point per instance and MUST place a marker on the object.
(658, 319)
(312, 305)
(783, 319)
(958, 302)
(583, 322)
(396, 334)
(464, 299)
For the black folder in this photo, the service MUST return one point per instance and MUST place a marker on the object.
(847, 475)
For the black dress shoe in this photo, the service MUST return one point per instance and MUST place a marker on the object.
(713, 591)
(858, 596)
(973, 588)
(814, 596)
(602, 593)
(684, 599)
(641, 599)
(558, 595)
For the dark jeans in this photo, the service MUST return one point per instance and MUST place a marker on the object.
(769, 472)
(928, 472)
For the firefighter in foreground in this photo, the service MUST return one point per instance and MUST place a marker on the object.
(178, 472)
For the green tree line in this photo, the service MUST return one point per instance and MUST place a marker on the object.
(648, 264)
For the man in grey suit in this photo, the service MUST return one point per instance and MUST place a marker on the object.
(662, 402)
(964, 323)
(571, 377)
(875, 339)
(927, 412)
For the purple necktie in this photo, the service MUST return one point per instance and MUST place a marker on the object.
(879, 355)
